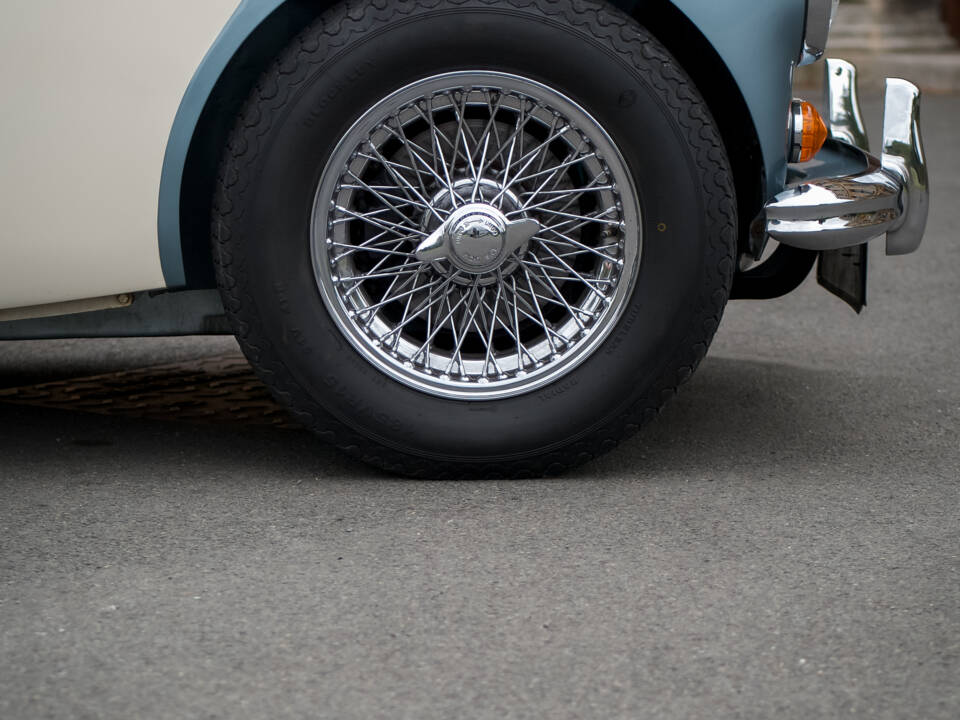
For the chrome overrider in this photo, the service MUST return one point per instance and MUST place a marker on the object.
(890, 195)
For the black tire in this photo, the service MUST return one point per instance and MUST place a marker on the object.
(342, 64)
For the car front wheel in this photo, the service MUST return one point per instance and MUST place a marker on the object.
(481, 237)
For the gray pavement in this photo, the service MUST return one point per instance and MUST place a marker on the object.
(784, 542)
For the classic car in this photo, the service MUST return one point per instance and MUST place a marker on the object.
(454, 237)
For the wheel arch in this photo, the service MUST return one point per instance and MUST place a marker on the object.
(700, 59)
(742, 98)
(255, 34)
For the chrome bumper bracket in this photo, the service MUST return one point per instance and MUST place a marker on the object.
(891, 195)
(903, 156)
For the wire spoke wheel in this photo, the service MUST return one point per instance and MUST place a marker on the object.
(476, 235)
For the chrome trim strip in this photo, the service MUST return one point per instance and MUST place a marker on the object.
(796, 131)
(817, 31)
(890, 196)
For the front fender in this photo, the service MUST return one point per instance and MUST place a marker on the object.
(759, 42)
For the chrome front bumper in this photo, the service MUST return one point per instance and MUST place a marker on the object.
(889, 195)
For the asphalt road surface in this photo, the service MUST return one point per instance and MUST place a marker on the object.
(784, 542)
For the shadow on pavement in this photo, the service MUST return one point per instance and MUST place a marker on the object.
(734, 416)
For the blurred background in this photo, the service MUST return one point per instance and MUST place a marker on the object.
(915, 39)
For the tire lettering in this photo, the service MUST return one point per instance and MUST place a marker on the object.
(345, 81)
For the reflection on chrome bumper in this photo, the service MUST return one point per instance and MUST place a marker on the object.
(891, 195)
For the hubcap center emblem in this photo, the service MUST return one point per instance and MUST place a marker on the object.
(477, 235)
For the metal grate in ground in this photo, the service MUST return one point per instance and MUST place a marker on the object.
(214, 389)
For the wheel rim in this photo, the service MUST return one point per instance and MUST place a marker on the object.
(476, 235)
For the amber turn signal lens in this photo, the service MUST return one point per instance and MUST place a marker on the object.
(809, 132)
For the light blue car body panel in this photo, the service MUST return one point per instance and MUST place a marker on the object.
(758, 41)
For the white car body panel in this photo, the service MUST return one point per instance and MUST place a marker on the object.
(90, 94)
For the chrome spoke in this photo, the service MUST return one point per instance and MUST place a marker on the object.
(436, 295)
(551, 286)
(593, 250)
(479, 177)
(598, 218)
(380, 223)
(543, 323)
(405, 184)
(566, 240)
(530, 157)
(445, 180)
(528, 206)
(367, 249)
(503, 144)
(566, 266)
(562, 166)
(489, 322)
(465, 328)
(386, 201)
(572, 196)
(408, 144)
(440, 325)
(382, 194)
(513, 147)
(375, 276)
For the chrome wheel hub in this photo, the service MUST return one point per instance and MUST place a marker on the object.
(481, 196)
(477, 238)
(476, 235)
